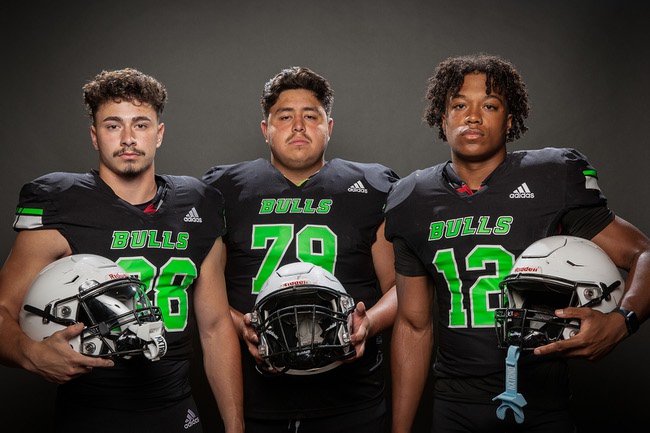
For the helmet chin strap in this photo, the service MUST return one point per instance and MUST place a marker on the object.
(510, 398)
(606, 291)
(46, 315)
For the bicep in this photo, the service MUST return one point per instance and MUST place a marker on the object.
(415, 299)
(383, 259)
(622, 241)
(30, 253)
(210, 299)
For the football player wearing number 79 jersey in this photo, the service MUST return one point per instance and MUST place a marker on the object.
(297, 207)
(166, 231)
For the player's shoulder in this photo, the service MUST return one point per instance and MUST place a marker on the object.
(225, 172)
(378, 176)
(59, 181)
(183, 185)
(403, 188)
(549, 155)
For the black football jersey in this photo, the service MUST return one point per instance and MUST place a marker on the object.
(329, 220)
(469, 242)
(164, 249)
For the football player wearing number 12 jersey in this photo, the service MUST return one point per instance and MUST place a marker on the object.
(457, 229)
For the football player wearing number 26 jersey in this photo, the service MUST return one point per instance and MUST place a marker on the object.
(165, 230)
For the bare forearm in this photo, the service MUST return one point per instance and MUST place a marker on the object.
(637, 296)
(14, 345)
(410, 364)
(382, 314)
(222, 360)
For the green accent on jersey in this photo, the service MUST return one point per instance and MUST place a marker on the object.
(137, 239)
(170, 284)
(592, 173)
(294, 206)
(28, 211)
(480, 313)
(465, 227)
(314, 244)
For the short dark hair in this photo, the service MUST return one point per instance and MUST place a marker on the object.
(124, 85)
(500, 74)
(297, 77)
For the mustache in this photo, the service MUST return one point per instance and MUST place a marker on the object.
(128, 150)
(299, 134)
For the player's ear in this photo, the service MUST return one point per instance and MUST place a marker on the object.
(161, 132)
(265, 128)
(93, 136)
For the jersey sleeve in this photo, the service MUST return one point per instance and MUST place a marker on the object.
(407, 262)
(380, 177)
(587, 212)
(214, 173)
(582, 182)
(36, 207)
(397, 198)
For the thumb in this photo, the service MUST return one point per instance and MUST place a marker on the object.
(361, 309)
(72, 330)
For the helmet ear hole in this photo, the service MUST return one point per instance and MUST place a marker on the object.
(118, 317)
(554, 273)
(302, 318)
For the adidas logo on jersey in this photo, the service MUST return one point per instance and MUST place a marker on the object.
(522, 191)
(191, 419)
(358, 187)
(192, 217)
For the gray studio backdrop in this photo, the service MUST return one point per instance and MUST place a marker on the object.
(585, 63)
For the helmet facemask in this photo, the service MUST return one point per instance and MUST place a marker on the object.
(124, 321)
(304, 328)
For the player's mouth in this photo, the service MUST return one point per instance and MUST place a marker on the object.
(472, 133)
(130, 154)
(298, 141)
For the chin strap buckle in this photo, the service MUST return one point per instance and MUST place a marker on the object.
(510, 398)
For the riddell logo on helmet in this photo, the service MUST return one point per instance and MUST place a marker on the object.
(527, 269)
(117, 276)
(294, 283)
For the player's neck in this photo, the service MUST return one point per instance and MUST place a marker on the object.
(134, 190)
(298, 176)
(474, 173)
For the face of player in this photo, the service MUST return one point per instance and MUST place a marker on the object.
(126, 135)
(476, 123)
(297, 131)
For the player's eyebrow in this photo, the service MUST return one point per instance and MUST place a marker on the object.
(121, 120)
(290, 109)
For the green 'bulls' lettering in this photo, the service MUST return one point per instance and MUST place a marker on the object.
(466, 226)
(137, 239)
(294, 205)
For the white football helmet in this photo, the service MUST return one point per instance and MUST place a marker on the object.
(302, 317)
(555, 272)
(118, 316)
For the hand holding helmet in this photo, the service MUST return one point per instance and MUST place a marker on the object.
(552, 274)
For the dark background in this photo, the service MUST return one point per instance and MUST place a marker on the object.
(585, 63)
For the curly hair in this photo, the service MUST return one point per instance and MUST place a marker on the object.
(501, 76)
(124, 85)
(296, 77)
